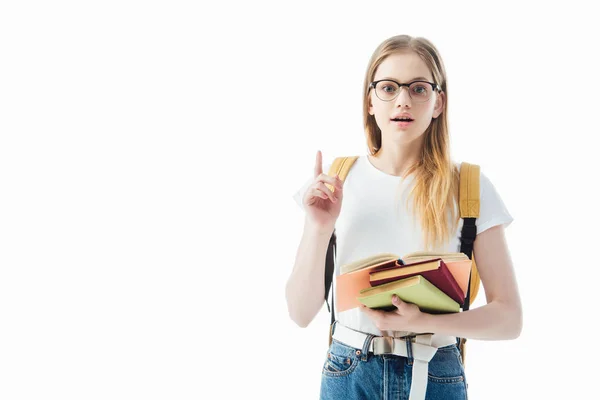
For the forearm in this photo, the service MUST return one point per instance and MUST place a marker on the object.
(305, 289)
(493, 321)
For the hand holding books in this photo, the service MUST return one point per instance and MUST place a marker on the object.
(406, 318)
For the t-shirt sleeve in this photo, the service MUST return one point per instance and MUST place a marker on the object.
(299, 195)
(492, 210)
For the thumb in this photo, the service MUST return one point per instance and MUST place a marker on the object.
(397, 301)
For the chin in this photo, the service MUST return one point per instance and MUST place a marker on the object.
(402, 135)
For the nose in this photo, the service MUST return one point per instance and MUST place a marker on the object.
(403, 97)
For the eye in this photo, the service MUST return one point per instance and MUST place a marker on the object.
(419, 89)
(388, 88)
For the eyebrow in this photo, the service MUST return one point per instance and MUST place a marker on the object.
(418, 78)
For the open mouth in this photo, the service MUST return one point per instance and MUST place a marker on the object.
(402, 119)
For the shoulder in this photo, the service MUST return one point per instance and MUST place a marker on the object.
(484, 181)
(492, 208)
(341, 160)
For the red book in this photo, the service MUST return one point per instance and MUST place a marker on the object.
(434, 270)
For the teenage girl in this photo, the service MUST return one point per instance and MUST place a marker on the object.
(405, 102)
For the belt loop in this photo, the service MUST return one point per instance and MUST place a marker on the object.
(409, 354)
(365, 348)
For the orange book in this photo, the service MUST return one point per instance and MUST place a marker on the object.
(355, 276)
(461, 271)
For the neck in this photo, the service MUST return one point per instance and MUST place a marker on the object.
(395, 160)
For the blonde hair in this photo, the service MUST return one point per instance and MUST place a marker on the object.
(436, 178)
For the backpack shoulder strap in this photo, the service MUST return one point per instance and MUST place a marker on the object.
(469, 190)
(469, 211)
(340, 166)
(468, 198)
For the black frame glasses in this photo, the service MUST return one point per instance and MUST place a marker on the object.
(434, 87)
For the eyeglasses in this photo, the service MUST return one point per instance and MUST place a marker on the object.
(419, 91)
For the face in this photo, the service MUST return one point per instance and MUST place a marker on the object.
(404, 68)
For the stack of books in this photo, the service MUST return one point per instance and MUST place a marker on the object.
(435, 282)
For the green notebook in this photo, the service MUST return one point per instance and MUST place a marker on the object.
(416, 290)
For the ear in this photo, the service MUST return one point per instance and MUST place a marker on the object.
(439, 104)
(371, 111)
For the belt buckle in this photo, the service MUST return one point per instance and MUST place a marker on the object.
(383, 345)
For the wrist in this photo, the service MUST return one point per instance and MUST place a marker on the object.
(314, 229)
(424, 323)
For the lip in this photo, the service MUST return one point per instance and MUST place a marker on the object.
(402, 124)
(403, 115)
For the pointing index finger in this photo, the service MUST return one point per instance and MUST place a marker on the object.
(318, 164)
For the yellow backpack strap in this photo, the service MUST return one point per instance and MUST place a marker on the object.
(469, 210)
(340, 166)
(469, 203)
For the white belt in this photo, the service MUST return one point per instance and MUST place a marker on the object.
(421, 350)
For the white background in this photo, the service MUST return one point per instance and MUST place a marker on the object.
(149, 152)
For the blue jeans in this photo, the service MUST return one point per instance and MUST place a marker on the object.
(349, 375)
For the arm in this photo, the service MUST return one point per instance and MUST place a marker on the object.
(305, 288)
(501, 318)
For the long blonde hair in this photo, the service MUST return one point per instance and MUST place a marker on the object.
(436, 178)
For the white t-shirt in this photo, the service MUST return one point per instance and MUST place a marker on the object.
(374, 219)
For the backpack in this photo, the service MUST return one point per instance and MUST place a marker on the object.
(469, 210)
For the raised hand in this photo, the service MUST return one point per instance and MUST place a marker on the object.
(323, 198)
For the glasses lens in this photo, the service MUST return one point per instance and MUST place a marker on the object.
(388, 90)
(420, 91)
